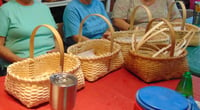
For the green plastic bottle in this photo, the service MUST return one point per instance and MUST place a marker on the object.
(185, 85)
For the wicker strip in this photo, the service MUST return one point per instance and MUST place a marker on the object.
(28, 80)
(108, 54)
(151, 69)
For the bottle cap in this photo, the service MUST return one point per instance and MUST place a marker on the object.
(187, 75)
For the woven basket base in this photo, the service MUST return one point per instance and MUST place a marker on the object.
(103, 63)
(28, 80)
(156, 69)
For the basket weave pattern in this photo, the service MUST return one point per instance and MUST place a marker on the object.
(98, 66)
(196, 37)
(184, 27)
(151, 69)
(108, 54)
(28, 80)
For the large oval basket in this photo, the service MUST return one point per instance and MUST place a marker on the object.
(150, 65)
(28, 80)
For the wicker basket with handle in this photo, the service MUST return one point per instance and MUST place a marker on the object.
(182, 28)
(106, 56)
(28, 80)
(124, 37)
(142, 62)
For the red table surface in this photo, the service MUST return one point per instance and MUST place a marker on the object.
(115, 91)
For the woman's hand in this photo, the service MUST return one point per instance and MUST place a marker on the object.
(121, 24)
(20, 59)
(106, 34)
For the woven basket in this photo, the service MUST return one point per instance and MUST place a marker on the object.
(141, 63)
(123, 38)
(184, 28)
(28, 80)
(107, 58)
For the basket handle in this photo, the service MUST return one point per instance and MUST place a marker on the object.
(183, 14)
(57, 37)
(105, 19)
(148, 34)
(149, 31)
(132, 17)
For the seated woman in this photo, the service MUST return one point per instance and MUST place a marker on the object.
(18, 19)
(159, 9)
(93, 28)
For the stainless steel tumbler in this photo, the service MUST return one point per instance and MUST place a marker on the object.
(63, 91)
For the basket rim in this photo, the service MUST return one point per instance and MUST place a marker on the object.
(115, 50)
(195, 28)
(12, 74)
(184, 54)
(132, 32)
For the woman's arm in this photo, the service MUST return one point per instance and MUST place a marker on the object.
(120, 14)
(6, 54)
(76, 38)
(121, 24)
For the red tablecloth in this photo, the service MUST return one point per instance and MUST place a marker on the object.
(116, 91)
